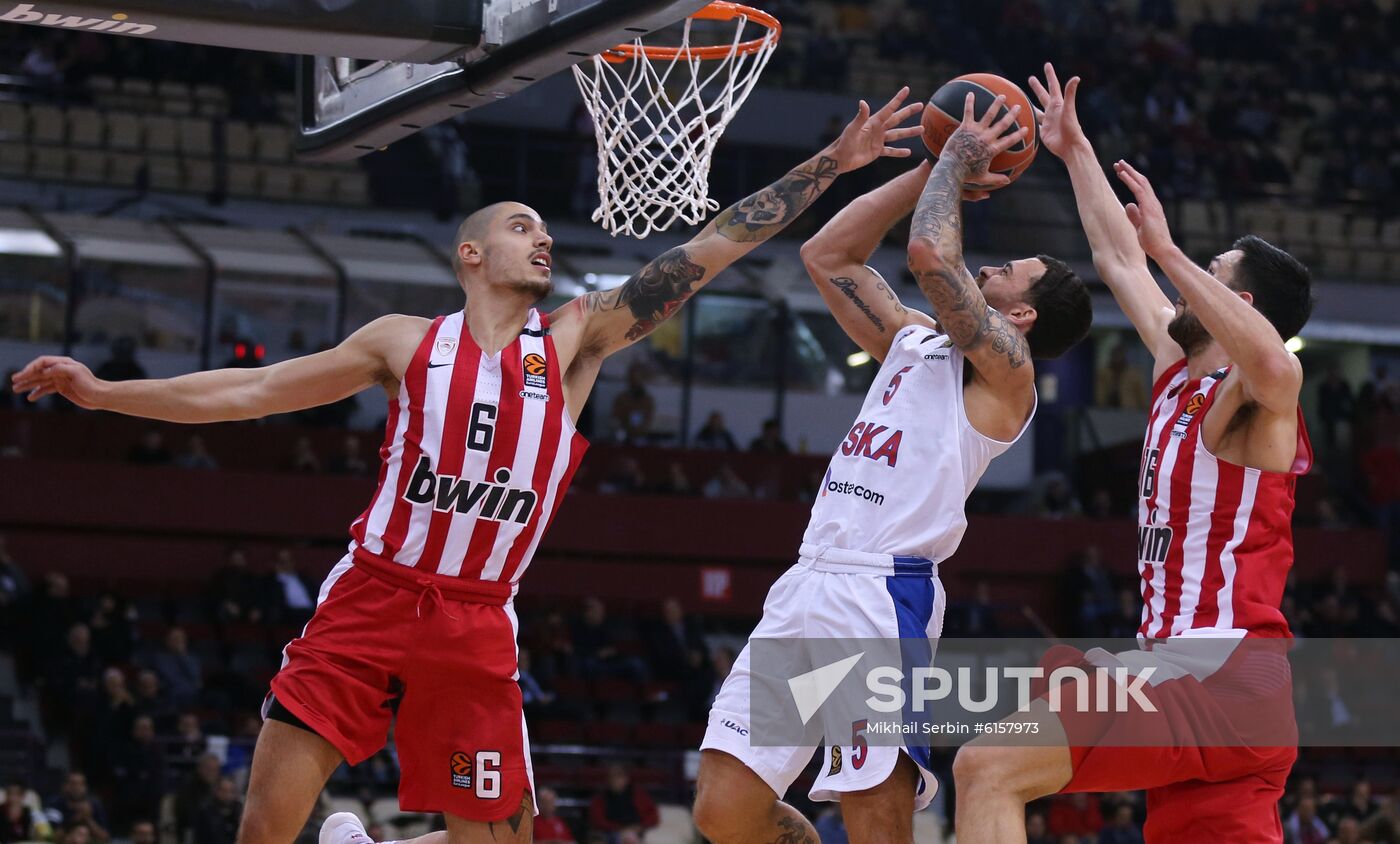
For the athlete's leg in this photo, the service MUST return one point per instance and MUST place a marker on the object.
(883, 814)
(290, 767)
(995, 783)
(733, 805)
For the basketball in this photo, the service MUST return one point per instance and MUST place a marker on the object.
(945, 110)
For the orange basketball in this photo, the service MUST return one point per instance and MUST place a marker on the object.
(945, 111)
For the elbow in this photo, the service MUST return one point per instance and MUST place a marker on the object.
(820, 252)
(924, 255)
(1275, 381)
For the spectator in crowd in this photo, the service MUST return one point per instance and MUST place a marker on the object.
(1036, 831)
(150, 700)
(1091, 591)
(73, 680)
(217, 822)
(554, 647)
(51, 615)
(634, 409)
(76, 805)
(549, 827)
(536, 699)
(1336, 406)
(193, 792)
(304, 460)
(726, 484)
(1123, 829)
(234, 592)
(18, 821)
(625, 478)
(350, 461)
(150, 450)
(138, 774)
(1057, 499)
(976, 618)
(672, 638)
(714, 435)
(291, 599)
(1304, 826)
(675, 482)
(122, 365)
(179, 670)
(623, 806)
(1360, 805)
(770, 440)
(596, 648)
(113, 720)
(143, 832)
(189, 743)
(196, 455)
(1119, 384)
(113, 636)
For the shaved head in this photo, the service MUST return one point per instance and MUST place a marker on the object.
(477, 223)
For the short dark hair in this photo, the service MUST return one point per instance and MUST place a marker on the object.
(1281, 284)
(1063, 312)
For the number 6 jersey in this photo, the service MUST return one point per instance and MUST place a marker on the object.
(478, 452)
(898, 483)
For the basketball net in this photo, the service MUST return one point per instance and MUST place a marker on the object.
(658, 113)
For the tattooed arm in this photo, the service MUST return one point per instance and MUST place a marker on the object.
(864, 303)
(616, 318)
(992, 343)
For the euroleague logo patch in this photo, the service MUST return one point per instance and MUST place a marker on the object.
(536, 369)
(461, 770)
(1193, 406)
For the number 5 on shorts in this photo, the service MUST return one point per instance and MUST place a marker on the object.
(859, 746)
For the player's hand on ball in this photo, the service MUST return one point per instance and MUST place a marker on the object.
(1146, 213)
(978, 140)
(1059, 122)
(51, 374)
(868, 136)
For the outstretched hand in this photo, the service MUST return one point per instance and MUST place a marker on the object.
(868, 136)
(1059, 121)
(1146, 214)
(54, 375)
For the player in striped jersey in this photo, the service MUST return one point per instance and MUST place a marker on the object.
(1225, 443)
(417, 621)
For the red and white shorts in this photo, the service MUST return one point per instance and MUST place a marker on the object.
(1215, 757)
(434, 655)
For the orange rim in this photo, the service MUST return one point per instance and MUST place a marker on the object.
(720, 10)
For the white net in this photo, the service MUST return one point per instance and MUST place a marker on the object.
(657, 122)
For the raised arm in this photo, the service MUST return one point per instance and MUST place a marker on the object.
(1270, 374)
(863, 303)
(224, 395)
(609, 321)
(995, 346)
(1118, 257)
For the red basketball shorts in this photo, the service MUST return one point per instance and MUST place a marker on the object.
(436, 656)
(1215, 756)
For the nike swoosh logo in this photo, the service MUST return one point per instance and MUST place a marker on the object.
(436, 365)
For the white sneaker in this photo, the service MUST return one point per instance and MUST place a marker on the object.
(344, 828)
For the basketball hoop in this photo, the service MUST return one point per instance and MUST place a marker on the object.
(655, 144)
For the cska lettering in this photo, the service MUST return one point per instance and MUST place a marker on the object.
(860, 442)
(499, 502)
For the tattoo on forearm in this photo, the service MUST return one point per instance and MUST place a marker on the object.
(764, 214)
(792, 832)
(849, 286)
(957, 303)
(655, 293)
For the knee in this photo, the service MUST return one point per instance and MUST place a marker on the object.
(981, 768)
(718, 813)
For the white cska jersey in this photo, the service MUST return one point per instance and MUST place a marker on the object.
(898, 483)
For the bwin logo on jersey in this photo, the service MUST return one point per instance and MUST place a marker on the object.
(499, 502)
(118, 24)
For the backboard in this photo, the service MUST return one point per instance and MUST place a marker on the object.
(349, 107)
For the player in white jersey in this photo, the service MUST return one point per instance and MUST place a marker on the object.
(950, 396)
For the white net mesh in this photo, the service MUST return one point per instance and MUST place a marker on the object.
(657, 123)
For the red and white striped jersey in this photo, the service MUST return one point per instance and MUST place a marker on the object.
(478, 452)
(1215, 540)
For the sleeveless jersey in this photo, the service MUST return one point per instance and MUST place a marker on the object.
(478, 453)
(899, 481)
(1215, 540)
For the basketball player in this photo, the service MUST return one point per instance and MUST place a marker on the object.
(949, 397)
(1225, 442)
(416, 622)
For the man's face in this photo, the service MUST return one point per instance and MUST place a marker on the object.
(143, 833)
(514, 253)
(1005, 287)
(1185, 328)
